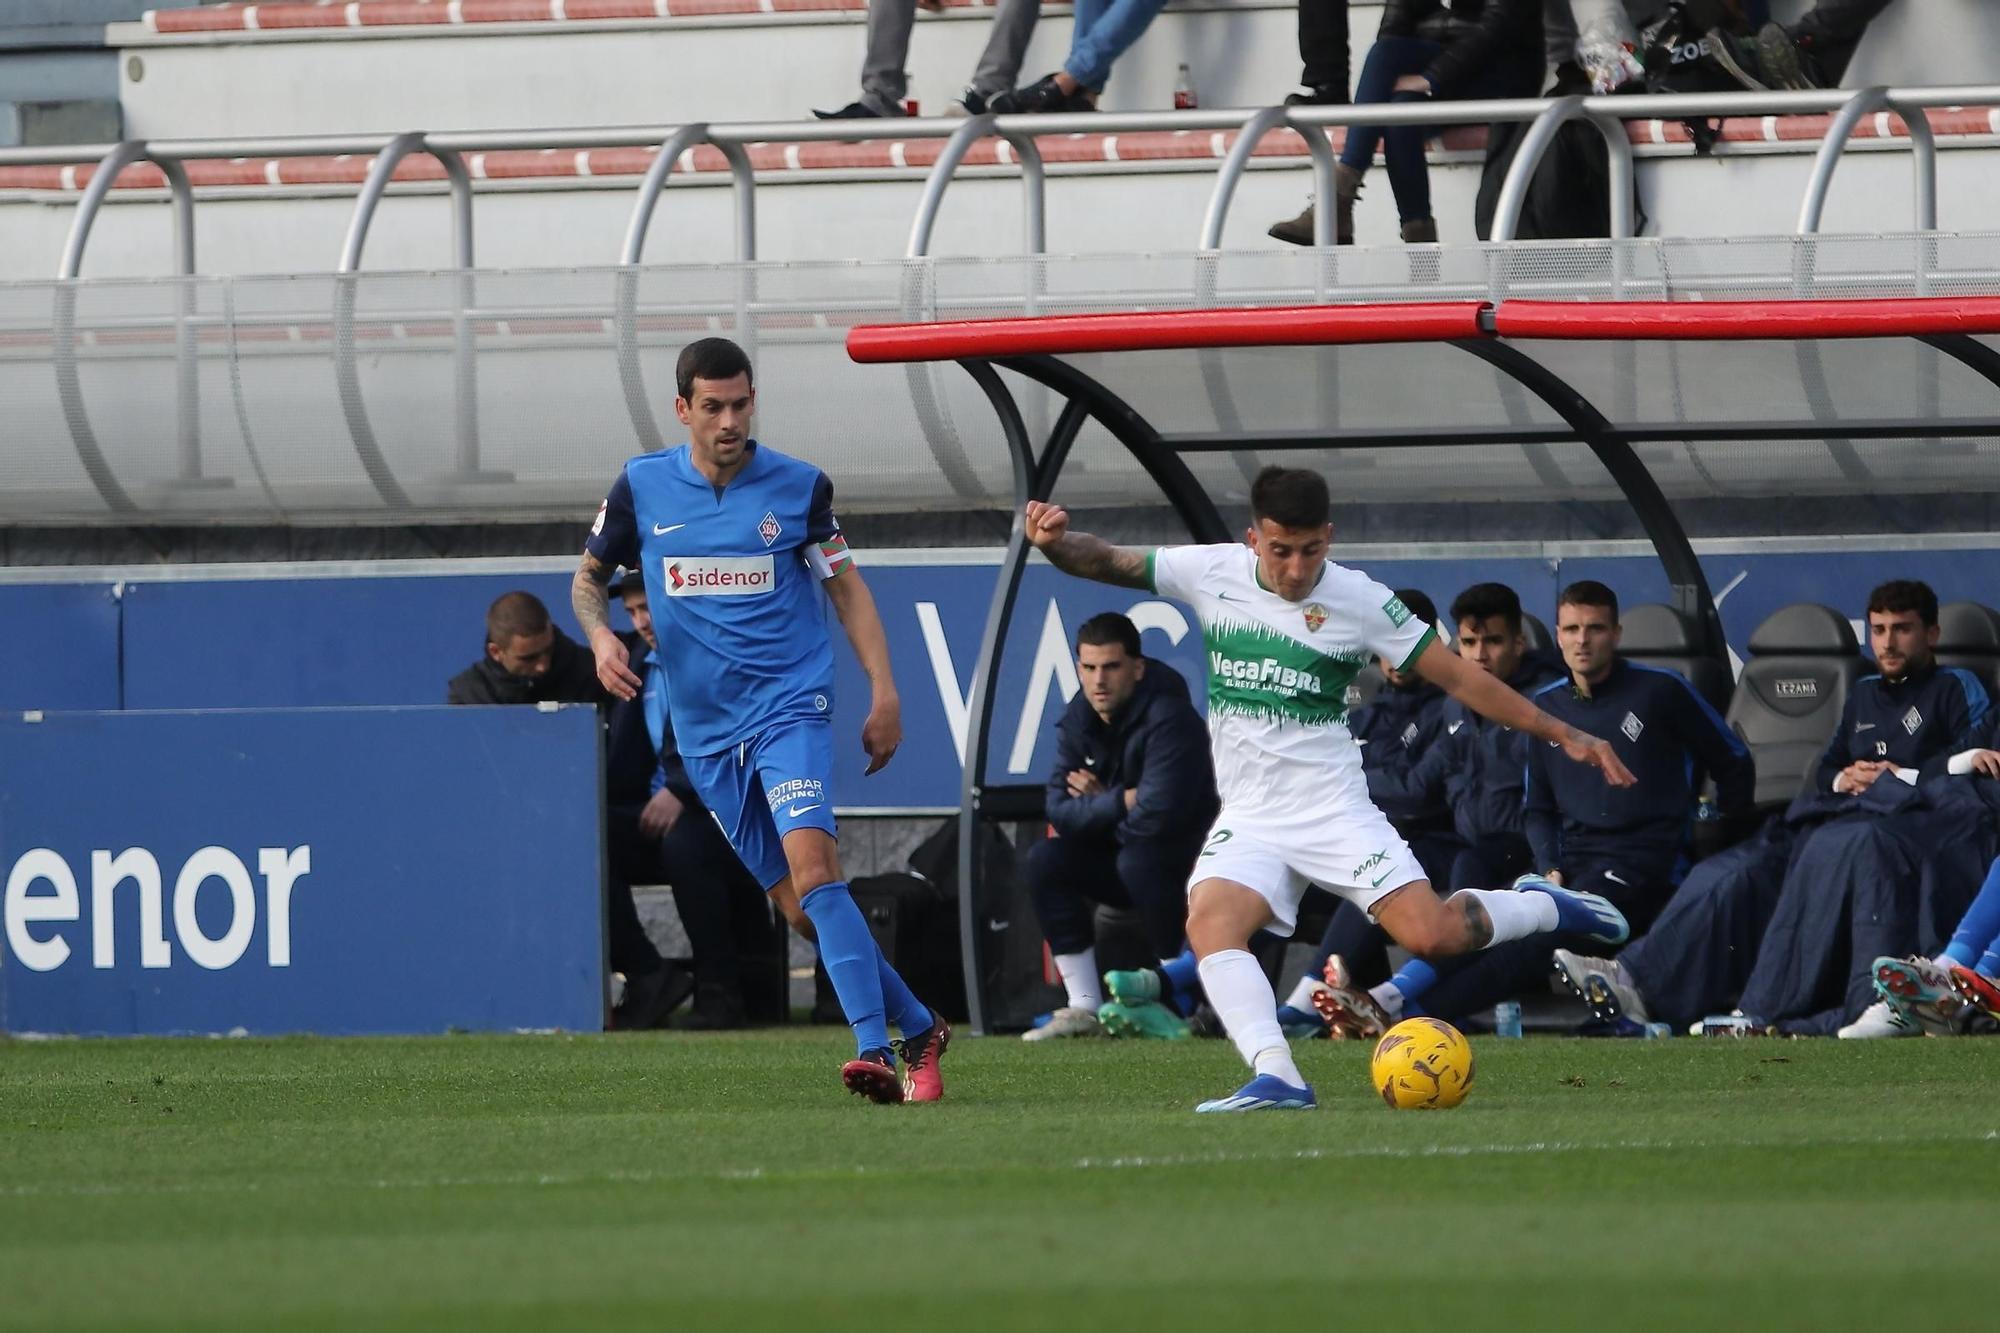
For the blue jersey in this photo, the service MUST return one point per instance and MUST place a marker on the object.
(732, 578)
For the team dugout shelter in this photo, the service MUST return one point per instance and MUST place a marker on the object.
(1859, 396)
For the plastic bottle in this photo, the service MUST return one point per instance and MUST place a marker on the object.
(1184, 98)
(1656, 1030)
(1507, 1018)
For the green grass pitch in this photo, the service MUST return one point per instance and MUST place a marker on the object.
(680, 1182)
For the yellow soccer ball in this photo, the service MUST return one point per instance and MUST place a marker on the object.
(1422, 1064)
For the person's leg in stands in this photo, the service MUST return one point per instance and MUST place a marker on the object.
(1815, 50)
(1323, 50)
(999, 67)
(883, 80)
(1112, 29)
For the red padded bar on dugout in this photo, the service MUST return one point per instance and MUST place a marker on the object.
(1163, 330)
(1897, 317)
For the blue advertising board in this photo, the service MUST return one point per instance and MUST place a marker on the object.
(307, 640)
(331, 871)
(62, 645)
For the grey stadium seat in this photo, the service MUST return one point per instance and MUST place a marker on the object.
(1969, 637)
(1541, 643)
(1660, 636)
(1788, 701)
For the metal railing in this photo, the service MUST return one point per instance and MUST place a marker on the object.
(1543, 117)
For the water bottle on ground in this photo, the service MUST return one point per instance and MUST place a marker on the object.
(1507, 1018)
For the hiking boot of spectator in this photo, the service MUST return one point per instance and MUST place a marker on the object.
(1878, 1020)
(1981, 992)
(1783, 63)
(971, 102)
(651, 996)
(1739, 55)
(1347, 1009)
(1068, 1021)
(872, 1074)
(1614, 995)
(1346, 189)
(1424, 231)
(923, 1081)
(858, 111)
(1318, 97)
(1041, 97)
(1143, 1018)
(1920, 992)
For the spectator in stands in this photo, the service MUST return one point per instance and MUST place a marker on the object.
(1443, 50)
(1810, 53)
(1395, 729)
(1104, 29)
(527, 660)
(1323, 53)
(1474, 767)
(661, 831)
(1901, 724)
(999, 66)
(1129, 803)
(884, 82)
(1626, 845)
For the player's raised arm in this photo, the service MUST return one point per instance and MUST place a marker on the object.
(591, 602)
(1490, 697)
(883, 731)
(1081, 554)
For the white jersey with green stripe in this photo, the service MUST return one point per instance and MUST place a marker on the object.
(1278, 670)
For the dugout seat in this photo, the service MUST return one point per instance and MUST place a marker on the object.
(1660, 636)
(1541, 643)
(1367, 683)
(1788, 701)
(1969, 637)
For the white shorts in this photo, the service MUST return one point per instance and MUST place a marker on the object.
(1353, 852)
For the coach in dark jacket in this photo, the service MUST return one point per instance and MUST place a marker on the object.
(1129, 802)
(527, 660)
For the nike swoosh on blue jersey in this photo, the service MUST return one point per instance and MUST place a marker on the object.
(659, 531)
(798, 810)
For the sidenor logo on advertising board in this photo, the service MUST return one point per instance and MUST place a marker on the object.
(43, 897)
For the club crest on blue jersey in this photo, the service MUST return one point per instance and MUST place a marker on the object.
(770, 529)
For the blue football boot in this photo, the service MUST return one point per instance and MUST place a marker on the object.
(1266, 1092)
(1583, 914)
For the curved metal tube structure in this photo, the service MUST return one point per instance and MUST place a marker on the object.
(1866, 102)
(625, 315)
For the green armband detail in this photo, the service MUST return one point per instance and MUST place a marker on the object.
(1430, 637)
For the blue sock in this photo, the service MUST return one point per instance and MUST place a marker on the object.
(1413, 979)
(851, 958)
(1989, 966)
(1184, 975)
(910, 1015)
(1979, 929)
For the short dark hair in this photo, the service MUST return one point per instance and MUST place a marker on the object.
(1291, 497)
(709, 359)
(1483, 601)
(1419, 604)
(515, 615)
(1899, 595)
(629, 582)
(1107, 628)
(1588, 592)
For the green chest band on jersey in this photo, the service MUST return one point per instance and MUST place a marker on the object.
(1257, 672)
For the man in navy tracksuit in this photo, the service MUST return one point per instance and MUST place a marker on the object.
(1626, 844)
(1897, 727)
(1130, 801)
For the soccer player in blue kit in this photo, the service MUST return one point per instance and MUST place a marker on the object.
(735, 541)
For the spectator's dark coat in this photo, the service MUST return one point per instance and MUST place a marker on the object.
(1476, 34)
(629, 758)
(1156, 742)
(1395, 730)
(1917, 722)
(571, 679)
(1476, 766)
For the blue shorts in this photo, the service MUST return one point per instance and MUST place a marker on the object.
(764, 788)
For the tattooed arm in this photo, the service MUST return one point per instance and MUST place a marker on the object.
(592, 605)
(1081, 554)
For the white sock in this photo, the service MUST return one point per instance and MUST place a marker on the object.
(1243, 998)
(1301, 997)
(1079, 978)
(1388, 997)
(1516, 915)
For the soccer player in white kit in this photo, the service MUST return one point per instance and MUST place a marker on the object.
(1286, 630)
